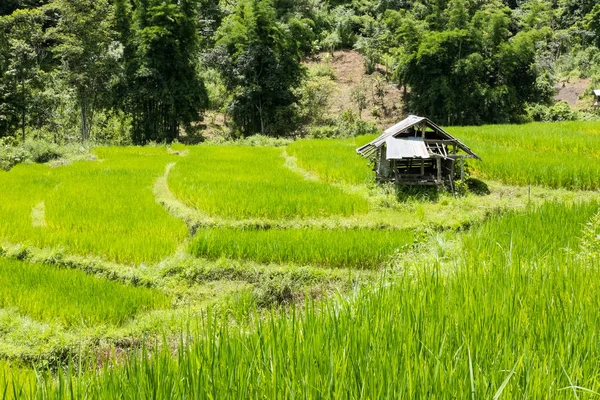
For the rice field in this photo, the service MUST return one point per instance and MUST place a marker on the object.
(499, 307)
(344, 248)
(103, 208)
(503, 330)
(70, 297)
(334, 160)
(253, 182)
(557, 155)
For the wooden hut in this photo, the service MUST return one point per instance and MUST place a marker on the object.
(596, 99)
(417, 152)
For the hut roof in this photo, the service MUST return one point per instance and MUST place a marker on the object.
(402, 143)
(597, 92)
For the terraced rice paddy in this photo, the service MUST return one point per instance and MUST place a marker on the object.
(70, 297)
(334, 160)
(557, 155)
(245, 182)
(360, 301)
(104, 208)
(363, 249)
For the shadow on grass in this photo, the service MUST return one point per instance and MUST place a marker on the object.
(408, 193)
(405, 193)
(477, 186)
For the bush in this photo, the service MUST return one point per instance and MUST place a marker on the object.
(36, 151)
(347, 124)
(11, 155)
(322, 70)
(560, 111)
(42, 152)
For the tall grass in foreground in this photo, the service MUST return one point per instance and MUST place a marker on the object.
(556, 155)
(334, 160)
(103, 208)
(496, 330)
(352, 248)
(509, 331)
(244, 181)
(71, 297)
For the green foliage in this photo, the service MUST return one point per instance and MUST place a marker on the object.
(363, 249)
(252, 182)
(559, 111)
(313, 99)
(71, 297)
(164, 92)
(346, 124)
(87, 55)
(259, 62)
(21, 75)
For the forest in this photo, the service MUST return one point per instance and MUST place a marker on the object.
(140, 71)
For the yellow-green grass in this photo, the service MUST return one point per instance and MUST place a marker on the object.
(17, 382)
(348, 248)
(249, 182)
(556, 155)
(333, 160)
(103, 208)
(71, 297)
(496, 330)
(547, 233)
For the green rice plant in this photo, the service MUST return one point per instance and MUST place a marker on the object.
(71, 297)
(245, 182)
(104, 208)
(556, 155)
(550, 232)
(352, 248)
(16, 381)
(505, 331)
(334, 160)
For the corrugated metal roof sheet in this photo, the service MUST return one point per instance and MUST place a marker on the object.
(597, 92)
(368, 149)
(413, 147)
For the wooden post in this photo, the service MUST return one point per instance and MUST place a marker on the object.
(439, 169)
(462, 169)
(422, 167)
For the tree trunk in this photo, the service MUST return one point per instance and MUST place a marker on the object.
(260, 116)
(84, 127)
(23, 109)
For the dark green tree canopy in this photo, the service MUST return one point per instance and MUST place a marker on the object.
(259, 61)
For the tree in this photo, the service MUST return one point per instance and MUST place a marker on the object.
(259, 62)
(20, 64)
(358, 94)
(86, 40)
(163, 90)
